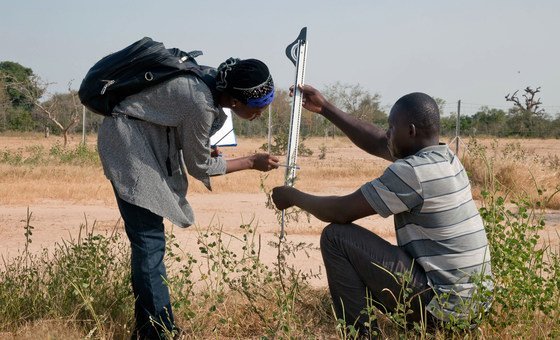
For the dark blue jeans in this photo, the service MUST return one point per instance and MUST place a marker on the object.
(152, 310)
(359, 263)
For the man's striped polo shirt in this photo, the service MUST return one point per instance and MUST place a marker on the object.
(437, 223)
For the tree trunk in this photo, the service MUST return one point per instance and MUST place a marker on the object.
(68, 128)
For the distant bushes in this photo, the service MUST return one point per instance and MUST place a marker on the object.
(82, 154)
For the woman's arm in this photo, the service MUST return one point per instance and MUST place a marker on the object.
(259, 161)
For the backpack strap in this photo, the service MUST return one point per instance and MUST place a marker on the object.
(206, 73)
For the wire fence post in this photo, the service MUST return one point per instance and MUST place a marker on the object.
(269, 128)
(458, 127)
(83, 125)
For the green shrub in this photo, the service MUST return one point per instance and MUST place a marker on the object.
(35, 155)
(82, 154)
(20, 119)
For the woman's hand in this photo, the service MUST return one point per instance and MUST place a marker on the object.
(258, 161)
(264, 162)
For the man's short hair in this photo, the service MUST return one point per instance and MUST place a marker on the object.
(421, 110)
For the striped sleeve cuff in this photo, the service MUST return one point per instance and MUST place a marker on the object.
(374, 200)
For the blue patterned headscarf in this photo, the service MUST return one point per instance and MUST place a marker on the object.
(248, 81)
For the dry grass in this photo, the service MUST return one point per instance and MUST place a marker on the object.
(46, 329)
(343, 169)
(61, 182)
(517, 164)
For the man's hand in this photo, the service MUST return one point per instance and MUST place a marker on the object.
(313, 100)
(281, 197)
(264, 162)
(333, 209)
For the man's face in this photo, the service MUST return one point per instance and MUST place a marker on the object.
(398, 133)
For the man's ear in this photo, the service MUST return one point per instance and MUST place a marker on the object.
(412, 130)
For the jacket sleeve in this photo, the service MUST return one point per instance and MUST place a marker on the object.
(194, 134)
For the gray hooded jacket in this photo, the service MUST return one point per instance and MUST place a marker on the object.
(141, 156)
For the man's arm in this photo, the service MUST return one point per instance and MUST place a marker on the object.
(368, 137)
(334, 209)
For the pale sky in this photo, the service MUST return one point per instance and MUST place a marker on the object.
(476, 51)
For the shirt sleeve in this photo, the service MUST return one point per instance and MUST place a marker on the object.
(194, 132)
(397, 190)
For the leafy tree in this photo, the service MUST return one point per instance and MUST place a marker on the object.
(15, 106)
(5, 104)
(441, 105)
(31, 89)
(447, 124)
(555, 128)
(13, 75)
(19, 119)
(489, 122)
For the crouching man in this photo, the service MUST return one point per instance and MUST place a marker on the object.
(441, 239)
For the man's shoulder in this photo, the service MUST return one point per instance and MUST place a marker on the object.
(433, 155)
(402, 165)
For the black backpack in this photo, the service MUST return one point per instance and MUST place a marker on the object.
(143, 64)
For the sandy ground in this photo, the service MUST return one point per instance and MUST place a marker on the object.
(54, 221)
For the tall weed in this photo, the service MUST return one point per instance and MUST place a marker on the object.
(238, 293)
(526, 268)
(84, 280)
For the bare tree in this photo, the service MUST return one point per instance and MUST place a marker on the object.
(531, 104)
(357, 101)
(34, 89)
(526, 118)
